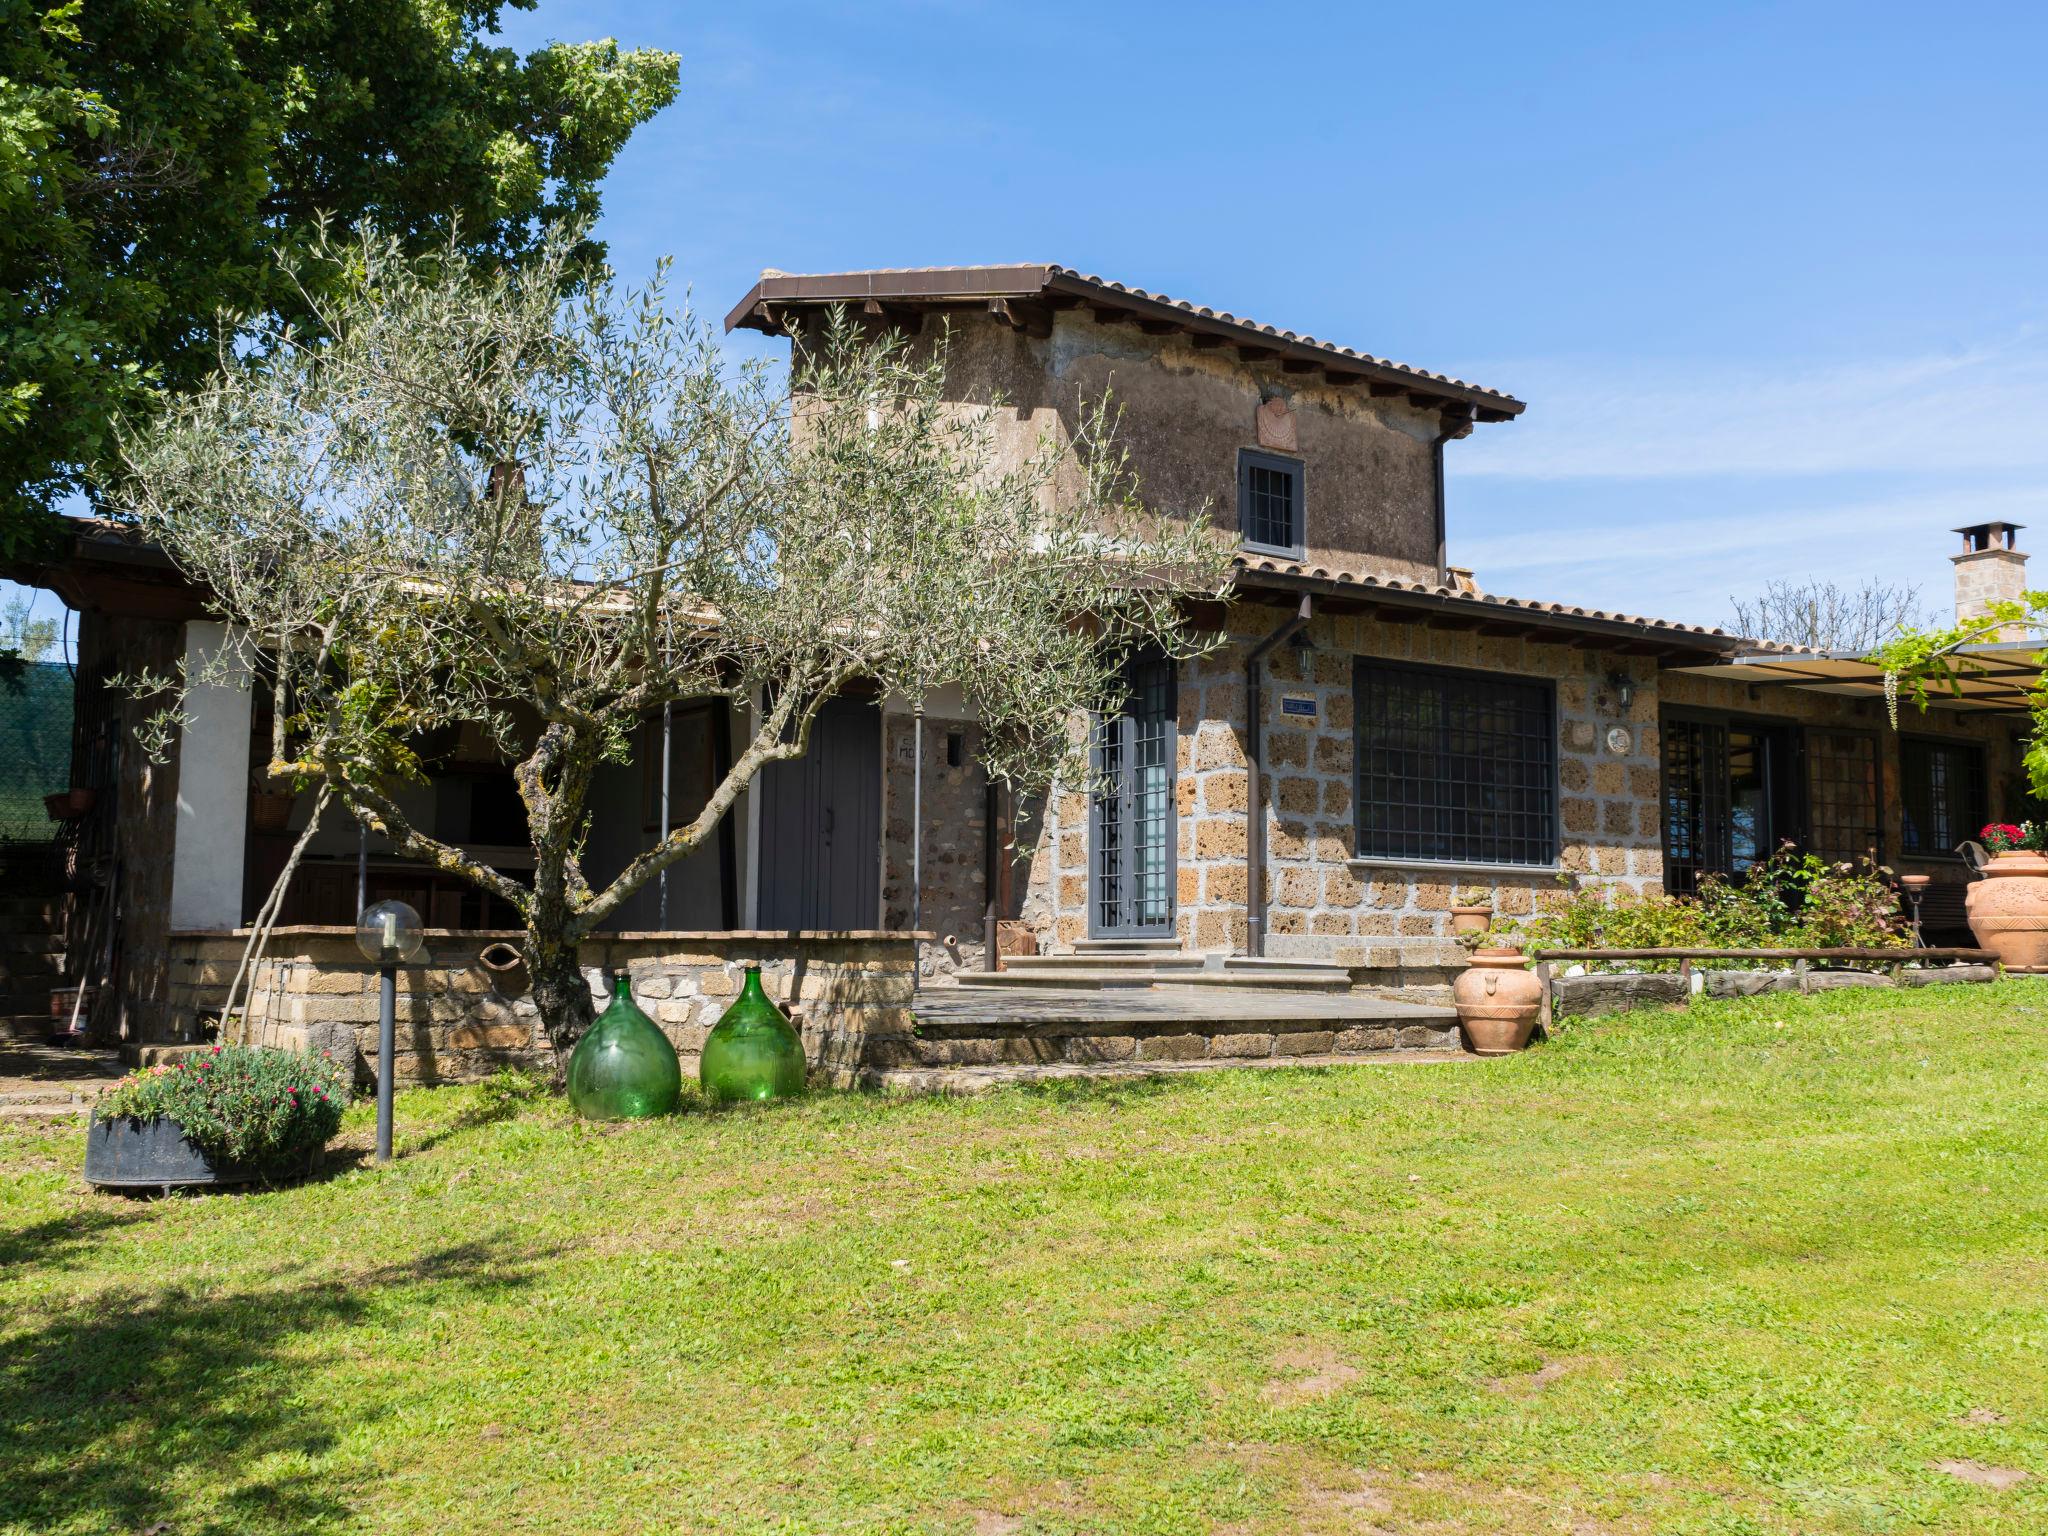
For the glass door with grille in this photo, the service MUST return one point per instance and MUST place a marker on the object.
(1131, 834)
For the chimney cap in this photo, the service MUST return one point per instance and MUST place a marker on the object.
(1983, 536)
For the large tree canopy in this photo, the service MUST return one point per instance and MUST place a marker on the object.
(482, 507)
(158, 156)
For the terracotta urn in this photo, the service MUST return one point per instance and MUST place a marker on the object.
(1471, 919)
(1497, 998)
(2008, 909)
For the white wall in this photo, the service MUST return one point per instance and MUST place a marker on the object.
(213, 791)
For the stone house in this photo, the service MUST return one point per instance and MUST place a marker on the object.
(1372, 733)
(1375, 733)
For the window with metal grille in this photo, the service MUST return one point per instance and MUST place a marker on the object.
(1696, 819)
(1132, 847)
(1841, 796)
(1269, 502)
(1457, 767)
(1941, 792)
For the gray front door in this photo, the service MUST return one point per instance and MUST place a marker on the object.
(1131, 834)
(821, 825)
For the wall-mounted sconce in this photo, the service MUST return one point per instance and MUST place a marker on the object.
(1624, 688)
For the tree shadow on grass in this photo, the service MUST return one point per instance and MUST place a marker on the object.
(60, 1241)
(106, 1410)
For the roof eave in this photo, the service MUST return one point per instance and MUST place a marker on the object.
(1503, 616)
(965, 285)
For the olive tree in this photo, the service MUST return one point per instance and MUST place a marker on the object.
(473, 504)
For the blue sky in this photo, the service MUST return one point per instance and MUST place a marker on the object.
(1771, 278)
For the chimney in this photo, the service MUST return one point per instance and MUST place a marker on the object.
(1990, 570)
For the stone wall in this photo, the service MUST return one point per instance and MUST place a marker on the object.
(1185, 411)
(954, 856)
(458, 1019)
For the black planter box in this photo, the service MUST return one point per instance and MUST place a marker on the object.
(124, 1153)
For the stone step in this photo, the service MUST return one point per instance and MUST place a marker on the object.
(49, 1111)
(1110, 959)
(1319, 979)
(1127, 946)
(962, 1027)
(963, 1082)
(29, 1025)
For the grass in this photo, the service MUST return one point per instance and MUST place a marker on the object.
(1755, 1268)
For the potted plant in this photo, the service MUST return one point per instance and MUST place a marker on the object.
(1497, 996)
(1471, 911)
(2008, 907)
(227, 1115)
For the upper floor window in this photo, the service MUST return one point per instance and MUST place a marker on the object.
(1941, 792)
(1270, 503)
(1455, 767)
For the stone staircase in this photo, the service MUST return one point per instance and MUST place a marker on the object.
(31, 963)
(1116, 1009)
(1098, 963)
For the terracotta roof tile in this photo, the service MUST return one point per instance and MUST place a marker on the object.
(959, 285)
(1369, 580)
(1227, 318)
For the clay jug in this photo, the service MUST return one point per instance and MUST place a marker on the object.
(1497, 998)
(2008, 909)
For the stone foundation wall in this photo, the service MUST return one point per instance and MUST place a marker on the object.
(459, 1020)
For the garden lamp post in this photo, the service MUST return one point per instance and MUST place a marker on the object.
(388, 933)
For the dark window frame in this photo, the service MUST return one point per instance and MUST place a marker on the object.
(1546, 852)
(1972, 819)
(1790, 817)
(1117, 815)
(1808, 834)
(1249, 459)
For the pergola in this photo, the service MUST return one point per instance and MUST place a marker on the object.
(1996, 676)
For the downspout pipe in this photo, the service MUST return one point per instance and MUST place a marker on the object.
(1254, 752)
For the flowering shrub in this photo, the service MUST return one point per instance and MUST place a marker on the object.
(2007, 837)
(240, 1104)
(1791, 900)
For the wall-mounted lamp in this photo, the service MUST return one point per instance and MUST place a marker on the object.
(1624, 688)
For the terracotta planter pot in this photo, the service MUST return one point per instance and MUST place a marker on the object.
(1471, 919)
(2008, 910)
(1497, 998)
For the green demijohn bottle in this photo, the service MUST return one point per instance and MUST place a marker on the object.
(751, 1053)
(624, 1068)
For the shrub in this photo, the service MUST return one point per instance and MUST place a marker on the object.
(260, 1108)
(1792, 900)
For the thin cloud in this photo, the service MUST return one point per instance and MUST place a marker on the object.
(1690, 568)
(1976, 410)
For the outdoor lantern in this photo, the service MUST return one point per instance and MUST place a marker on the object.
(388, 933)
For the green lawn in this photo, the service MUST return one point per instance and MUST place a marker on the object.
(1755, 1268)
